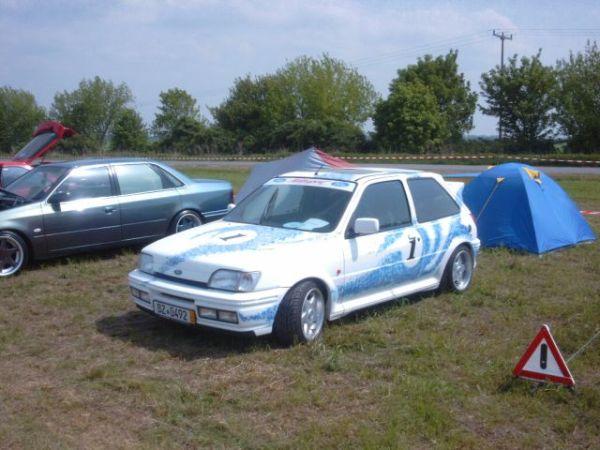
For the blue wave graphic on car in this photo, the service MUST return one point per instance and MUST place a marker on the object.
(267, 314)
(393, 269)
(265, 236)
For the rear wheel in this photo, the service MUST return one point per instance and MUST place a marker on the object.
(14, 253)
(185, 220)
(459, 270)
(301, 314)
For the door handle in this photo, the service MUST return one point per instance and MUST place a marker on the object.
(109, 209)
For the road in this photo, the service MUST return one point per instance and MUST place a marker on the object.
(439, 168)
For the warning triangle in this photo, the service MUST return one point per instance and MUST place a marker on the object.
(543, 361)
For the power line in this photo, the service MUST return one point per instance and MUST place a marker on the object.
(470, 39)
(445, 41)
(417, 51)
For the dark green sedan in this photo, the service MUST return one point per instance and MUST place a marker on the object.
(63, 208)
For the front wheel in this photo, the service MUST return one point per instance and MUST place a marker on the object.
(459, 270)
(14, 253)
(185, 220)
(301, 314)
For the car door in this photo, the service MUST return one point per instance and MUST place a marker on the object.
(377, 263)
(82, 212)
(148, 199)
(437, 216)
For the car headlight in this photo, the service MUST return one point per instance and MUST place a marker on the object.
(233, 280)
(146, 263)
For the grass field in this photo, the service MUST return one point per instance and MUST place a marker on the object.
(80, 367)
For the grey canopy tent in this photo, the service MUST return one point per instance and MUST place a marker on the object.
(310, 159)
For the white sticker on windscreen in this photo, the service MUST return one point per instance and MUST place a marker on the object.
(299, 181)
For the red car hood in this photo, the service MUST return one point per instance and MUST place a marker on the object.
(45, 137)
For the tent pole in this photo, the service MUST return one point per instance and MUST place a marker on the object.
(488, 200)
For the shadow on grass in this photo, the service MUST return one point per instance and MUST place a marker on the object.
(382, 308)
(194, 342)
(85, 257)
(179, 340)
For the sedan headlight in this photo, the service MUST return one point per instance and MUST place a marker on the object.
(146, 263)
(233, 280)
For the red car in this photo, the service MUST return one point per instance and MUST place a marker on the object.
(45, 137)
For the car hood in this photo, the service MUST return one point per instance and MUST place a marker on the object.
(195, 254)
(36, 151)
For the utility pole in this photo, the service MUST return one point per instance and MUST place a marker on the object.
(503, 37)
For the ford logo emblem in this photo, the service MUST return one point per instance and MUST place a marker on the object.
(178, 272)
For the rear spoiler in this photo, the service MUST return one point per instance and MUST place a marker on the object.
(57, 128)
(462, 175)
(455, 188)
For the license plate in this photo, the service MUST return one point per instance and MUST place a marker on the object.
(174, 312)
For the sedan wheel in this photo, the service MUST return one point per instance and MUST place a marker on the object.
(186, 220)
(12, 254)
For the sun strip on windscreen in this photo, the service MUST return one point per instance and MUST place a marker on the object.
(299, 181)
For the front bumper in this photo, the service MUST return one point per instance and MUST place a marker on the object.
(255, 310)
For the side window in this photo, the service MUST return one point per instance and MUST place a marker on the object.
(87, 183)
(384, 201)
(10, 174)
(168, 180)
(431, 200)
(137, 178)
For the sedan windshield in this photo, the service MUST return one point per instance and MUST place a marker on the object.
(295, 204)
(38, 183)
(34, 146)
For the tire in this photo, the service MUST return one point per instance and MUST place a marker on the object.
(14, 253)
(458, 273)
(301, 314)
(185, 220)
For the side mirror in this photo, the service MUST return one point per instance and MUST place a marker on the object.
(59, 197)
(366, 225)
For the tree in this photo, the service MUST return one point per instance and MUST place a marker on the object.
(19, 115)
(578, 99)
(190, 136)
(306, 102)
(129, 132)
(328, 88)
(521, 96)
(175, 104)
(252, 110)
(409, 120)
(92, 109)
(452, 92)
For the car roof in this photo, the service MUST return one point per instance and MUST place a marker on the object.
(356, 174)
(97, 161)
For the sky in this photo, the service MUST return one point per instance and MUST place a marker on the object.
(202, 46)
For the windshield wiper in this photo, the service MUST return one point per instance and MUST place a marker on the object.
(269, 207)
(12, 194)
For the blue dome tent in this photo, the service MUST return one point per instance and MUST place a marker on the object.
(520, 207)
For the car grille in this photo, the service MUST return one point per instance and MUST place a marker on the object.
(192, 283)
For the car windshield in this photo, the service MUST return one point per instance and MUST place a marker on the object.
(38, 183)
(34, 146)
(300, 204)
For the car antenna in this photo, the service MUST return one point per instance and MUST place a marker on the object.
(320, 167)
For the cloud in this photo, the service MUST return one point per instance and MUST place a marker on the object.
(203, 45)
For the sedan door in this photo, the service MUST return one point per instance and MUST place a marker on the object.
(82, 212)
(148, 198)
(377, 263)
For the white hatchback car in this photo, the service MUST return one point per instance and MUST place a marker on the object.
(309, 247)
